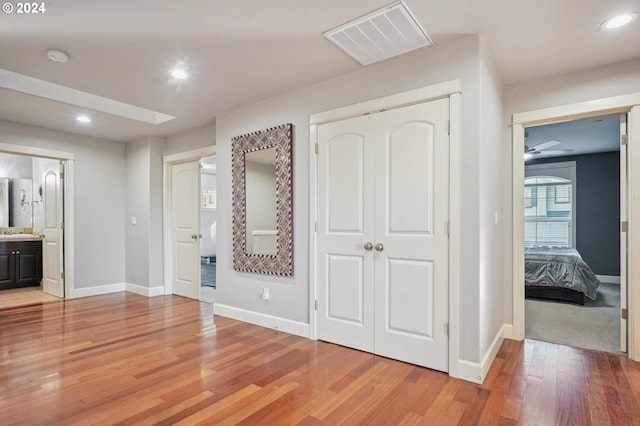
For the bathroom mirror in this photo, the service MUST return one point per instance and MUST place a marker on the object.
(263, 201)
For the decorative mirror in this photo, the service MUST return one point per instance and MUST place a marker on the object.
(263, 201)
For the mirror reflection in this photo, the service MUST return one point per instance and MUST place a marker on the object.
(21, 180)
(260, 189)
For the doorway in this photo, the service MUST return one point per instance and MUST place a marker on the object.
(185, 241)
(208, 229)
(630, 236)
(572, 219)
(39, 178)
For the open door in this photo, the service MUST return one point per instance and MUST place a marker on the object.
(185, 208)
(623, 232)
(52, 244)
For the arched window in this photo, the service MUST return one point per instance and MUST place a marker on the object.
(548, 211)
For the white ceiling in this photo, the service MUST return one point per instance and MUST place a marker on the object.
(242, 51)
(584, 136)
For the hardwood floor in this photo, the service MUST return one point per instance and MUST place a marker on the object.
(128, 359)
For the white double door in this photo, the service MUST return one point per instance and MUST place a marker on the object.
(382, 243)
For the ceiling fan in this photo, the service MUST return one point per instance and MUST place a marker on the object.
(543, 148)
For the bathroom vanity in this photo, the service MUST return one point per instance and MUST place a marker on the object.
(20, 260)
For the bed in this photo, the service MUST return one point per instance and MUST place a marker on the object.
(558, 273)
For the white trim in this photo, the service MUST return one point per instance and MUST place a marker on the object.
(578, 110)
(195, 154)
(313, 217)
(449, 89)
(144, 291)
(97, 290)
(622, 103)
(399, 100)
(69, 247)
(269, 321)
(633, 236)
(454, 234)
(477, 371)
(609, 279)
(35, 152)
(507, 332)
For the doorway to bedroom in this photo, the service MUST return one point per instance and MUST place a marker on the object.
(572, 192)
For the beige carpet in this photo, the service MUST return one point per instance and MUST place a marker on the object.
(24, 296)
(596, 325)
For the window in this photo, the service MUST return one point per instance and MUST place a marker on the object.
(548, 212)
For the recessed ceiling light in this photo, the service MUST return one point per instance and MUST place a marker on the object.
(57, 55)
(179, 73)
(83, 119)
(618, 21)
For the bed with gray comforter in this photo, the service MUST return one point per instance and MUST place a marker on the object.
(558, 273)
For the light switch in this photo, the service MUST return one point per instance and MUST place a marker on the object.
(134, 220)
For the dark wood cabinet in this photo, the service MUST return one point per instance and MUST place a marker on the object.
(20, 263)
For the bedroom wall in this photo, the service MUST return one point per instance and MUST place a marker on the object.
(597, 209)
(144, 202)
(602, 82)
(190, 140)
(289, 302)
(100, 200)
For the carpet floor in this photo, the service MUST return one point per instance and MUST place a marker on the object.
(596, 325)
(208, 274)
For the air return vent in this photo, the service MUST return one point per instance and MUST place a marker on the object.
(380, 35)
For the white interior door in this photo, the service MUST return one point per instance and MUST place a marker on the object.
(52, 243)
(185, 206)
(383, 179)
(345, 227)
(412, 243)
(623, 234)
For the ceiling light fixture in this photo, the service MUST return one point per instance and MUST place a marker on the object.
(179, 73)
(83, 119)
(618, 21)
(57, 55)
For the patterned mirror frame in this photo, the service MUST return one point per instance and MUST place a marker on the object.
(281, 263)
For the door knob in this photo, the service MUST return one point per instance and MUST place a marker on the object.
(368, 246)
(379, 247)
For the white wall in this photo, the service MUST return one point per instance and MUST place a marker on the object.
(490, 250)
(100, 199)
(144, 202)
(459, 59)
(137, 235)
(190, 140)
(597, 83)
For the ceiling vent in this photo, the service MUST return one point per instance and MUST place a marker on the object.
(380, 35)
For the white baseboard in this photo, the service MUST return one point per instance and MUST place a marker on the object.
(476, 372)
(610, 279)
(508, 332)
(263, 320)
(144, 291)
(96, 290)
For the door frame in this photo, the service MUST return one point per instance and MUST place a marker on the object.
(618, 104)
(168, 162)
(68, 218)
(449, 89)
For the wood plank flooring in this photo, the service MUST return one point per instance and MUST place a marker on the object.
(126, 359)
